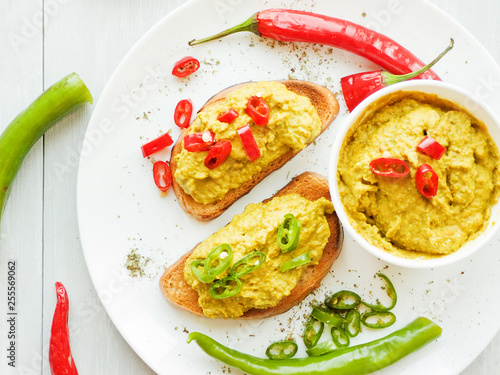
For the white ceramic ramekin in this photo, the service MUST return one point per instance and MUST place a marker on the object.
(445, 91)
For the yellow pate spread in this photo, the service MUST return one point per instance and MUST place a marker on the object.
(256, 230)
(293, 124)
(390, 212)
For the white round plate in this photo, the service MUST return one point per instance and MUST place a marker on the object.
(120, 209)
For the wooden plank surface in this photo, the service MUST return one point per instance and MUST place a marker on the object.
(39, 228)
(21, 80)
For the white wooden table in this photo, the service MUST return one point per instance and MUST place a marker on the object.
(40, 42)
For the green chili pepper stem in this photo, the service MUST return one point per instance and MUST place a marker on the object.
(356, 360)
(23, 132)
(390, 79)
(251, 24)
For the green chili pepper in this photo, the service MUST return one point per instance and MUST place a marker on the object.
(382, 319)
(327, 317)
(289, 233)
(282, 349)
(23, 132)
(352, 324)
(198, 269)
(248, 264)
(222, 262)
(343, 300)
(391, 292)
(355, 360)
(312, 332)
(322, 348)
(339, 337)
(296, 262)
(226, 287)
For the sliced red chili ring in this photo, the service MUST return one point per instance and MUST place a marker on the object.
(249, 143)
(378, 319)
(282, 349)
(429, 146)
(427, 181)
(229, 116)
(156, 144)
(343, 300)
(201, 141)
(218, 154)
(162, 175)
(389, 167)
(185, 67)
(258, 110)
(391, 292)
(182, 113)
(226, 287)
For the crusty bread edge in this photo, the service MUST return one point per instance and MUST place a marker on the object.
(327, 107)
(311, 186)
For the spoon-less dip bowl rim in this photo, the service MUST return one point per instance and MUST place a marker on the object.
(445, 91)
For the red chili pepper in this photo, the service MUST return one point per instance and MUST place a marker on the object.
(298, 26)
(218, 154)
(229, 116)
(185, 67)
(60, 357)
(202, 141)
(182, 113)
(427, 181)
(248, 140)
(431, 147)
(389, 167)
(358, 87)
(162, 175)
(156, 144)
(258, 110)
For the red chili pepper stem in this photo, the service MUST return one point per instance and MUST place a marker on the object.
(288, 25)
(251, 25)
(390, 79)
(357, 87)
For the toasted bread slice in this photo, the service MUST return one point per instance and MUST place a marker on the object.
(309, 185)
(321, 98)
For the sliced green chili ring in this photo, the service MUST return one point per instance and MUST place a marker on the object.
(339, 337)
(296, 262)
(391, 292)
(343, 300)
(383, 319)
(327, 317)
(352, 324)
(312, 332)
(221, 263)
(198, 269)
(289, 233)
(226, 287)
(322, 348)
(248, 264)
(282, 349)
